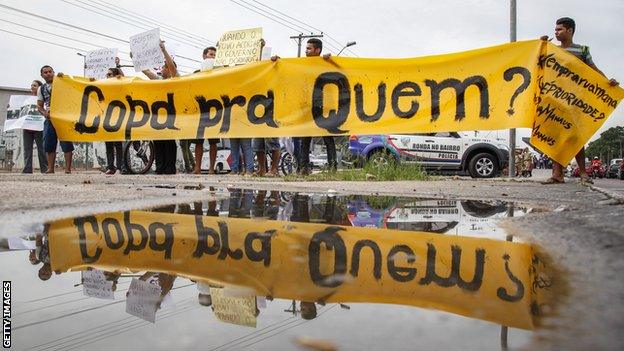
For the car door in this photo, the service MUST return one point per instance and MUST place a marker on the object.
(447, 149)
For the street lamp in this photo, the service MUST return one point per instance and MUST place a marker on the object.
(351, 43)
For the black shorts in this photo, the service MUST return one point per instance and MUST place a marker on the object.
(213, 141)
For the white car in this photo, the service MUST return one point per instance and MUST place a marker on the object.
(481, 158)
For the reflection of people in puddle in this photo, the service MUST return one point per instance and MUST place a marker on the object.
(240, 203)
(42, 253)
(186, 209)
(163, 280)
(264, 207)
(204, 297)
(308, 310)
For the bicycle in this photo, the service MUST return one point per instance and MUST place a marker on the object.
(138, 156)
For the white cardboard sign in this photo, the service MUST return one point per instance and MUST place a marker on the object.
(146, 52)
(142, 300)
(94, 284)
(99, 61)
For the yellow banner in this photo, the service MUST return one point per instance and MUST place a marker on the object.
(519, 85)
(479, 278)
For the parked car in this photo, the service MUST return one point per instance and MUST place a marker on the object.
(613, 170)
(481, 158)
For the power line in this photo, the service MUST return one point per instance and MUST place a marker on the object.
(183, 40)
(181, 31)
(263, 15)
(270, 14)
(304, 23)
(93, 330)
(90, 336)
(273, 18)
(45, 41)
(81, 28)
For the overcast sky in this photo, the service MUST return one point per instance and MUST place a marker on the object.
(381, 28)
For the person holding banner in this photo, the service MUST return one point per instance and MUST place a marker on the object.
(165, 151)
(36, 136)
(114, 149)
(313, 48)
(208, 55)
(565, 29)
(44, 96)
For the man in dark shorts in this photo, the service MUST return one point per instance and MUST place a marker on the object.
(564, 32)
(44, 96)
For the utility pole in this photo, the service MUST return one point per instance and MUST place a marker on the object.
(84, 74)
(300, 38)
(512, 132)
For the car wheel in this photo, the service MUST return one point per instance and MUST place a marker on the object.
(483, 165)
(381, 159)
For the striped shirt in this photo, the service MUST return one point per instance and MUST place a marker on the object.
(581, 52)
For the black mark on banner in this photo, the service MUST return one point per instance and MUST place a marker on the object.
(526, 76)
(460, 93)
(335, 118)
(502, 292)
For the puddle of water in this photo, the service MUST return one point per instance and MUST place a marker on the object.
(279, 270)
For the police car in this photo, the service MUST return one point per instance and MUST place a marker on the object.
(481, 158)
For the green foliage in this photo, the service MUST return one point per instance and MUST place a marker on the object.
(370, 172)
(608, 146)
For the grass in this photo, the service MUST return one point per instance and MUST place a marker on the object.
(389, 172)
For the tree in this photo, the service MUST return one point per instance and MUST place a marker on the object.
(609, 145)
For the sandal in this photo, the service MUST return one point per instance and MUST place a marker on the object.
(552, 180)
(587, 180)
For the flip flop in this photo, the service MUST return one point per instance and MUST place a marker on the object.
(552, 181)
(587, 181)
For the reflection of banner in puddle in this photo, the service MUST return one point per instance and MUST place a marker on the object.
(235, 310)
(480, 278)
(492, 88)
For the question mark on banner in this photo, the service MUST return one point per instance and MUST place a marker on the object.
(508, 75)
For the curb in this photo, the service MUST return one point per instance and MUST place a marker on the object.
(619, 198)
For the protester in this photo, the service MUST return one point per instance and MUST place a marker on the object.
(114, 149)
(36, 136)
(209, 55)
(261, 146)
(50, 140)
(313, 48)
(165, 151)
(246, 165)
(564, 32)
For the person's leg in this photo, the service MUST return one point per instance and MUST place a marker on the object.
(118, 146)
(305, 155)
(330, 145)
(273, 145)
(49, 144)
(580, 160)
(248, 155)
(159, 156)
(297, 151)
(68, 150)
(189, 164)
(212, 154)
(171, 156)
(110, 157)
(27, 146)
(199, 155)
(43, 162)
(260, 151)
(235, 152)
